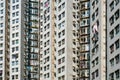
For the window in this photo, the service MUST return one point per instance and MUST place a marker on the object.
(13, 1)
(1, 5)
(16, 62)
(63, 41)
(112, 34)
(1, 58)
(44, 75)
(12, 69)
(59, 35)
(117, 44)
(45, 44)
(1, 11)
(1, 38)
(16, 69)
(16, 76)
(17, 20)
(63, 32)
(117, 73)
(63, 14)
(63, 68)
(93, 63)
(1, 18)
(13, 14)
(1, 45)
(74, 69)
(59, 70)
(17, 27)
(59, 17)
(117, 14)
(112, 5)
(1, 25)
(17, 34)
(17, 48)
(45, 28)
(12, 76)
(13, 21)
(59, 61)
(17, 0)
(13, 35)
(59, 43)
(63, 50)
(111, 20)
(13, 49)
(93, 4)
(63, 5)
(59, 8)
(17, 41)
(93, 75)
(63, 59)
(96, 11)
(117, 58)
(48, 18)
(13, 7)
(117, 29)
(13, 42)
(14, 56)
(59, 1)
(116, 2)
(97, 73)
(96, 60)
(1, 51)
(48, 34)
(1, 65)
(93, 16)
(13, 63)
(112, 62)
(97, 1)
(1, 31)
(13, 28)
(63, 77)
(17, 6)
(47, 75)
(17, 13)
(111, 76)
(47, 67)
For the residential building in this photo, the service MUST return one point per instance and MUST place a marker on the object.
(97, 39)
(84, 40)
(59, 54)
(24, 40)
(4, 39)
(59, 40)
(113, 40)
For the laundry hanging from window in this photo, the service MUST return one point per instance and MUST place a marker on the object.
(95, 32)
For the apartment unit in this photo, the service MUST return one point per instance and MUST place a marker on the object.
(113, 40)
(98, 39)
(4, 40)
(84, 40)
(24, 40)
(60, 21)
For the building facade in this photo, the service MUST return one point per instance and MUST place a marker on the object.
(41, 40)
(59, 43)
(113, 40)
(4, 39)
(59, 40)
(97, 39)
(24, 40)
(84, 40)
